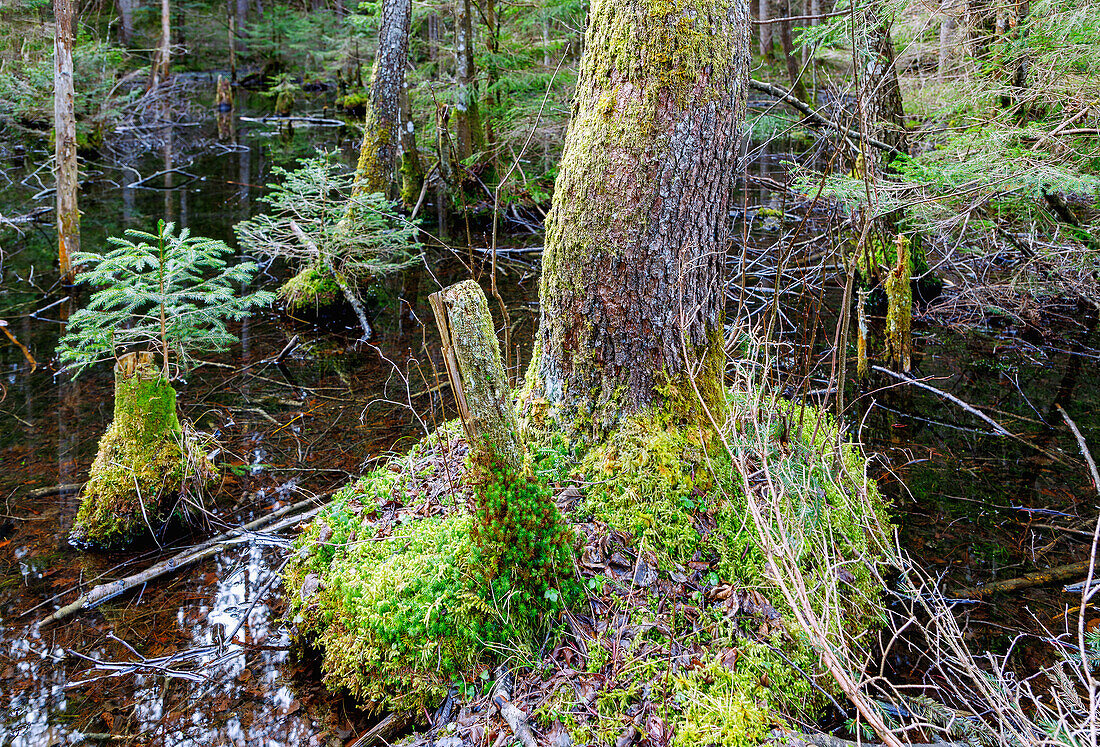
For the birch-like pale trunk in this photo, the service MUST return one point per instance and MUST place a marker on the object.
(64, 118)
(162, 59)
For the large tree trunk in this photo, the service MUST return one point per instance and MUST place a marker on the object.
(378, 155)
(68, 216)
(879, 92)
(636, 240)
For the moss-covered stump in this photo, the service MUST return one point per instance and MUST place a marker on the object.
(311, 292)
(683, 635)
(141, 461)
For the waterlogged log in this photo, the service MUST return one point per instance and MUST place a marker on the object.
(473, 360)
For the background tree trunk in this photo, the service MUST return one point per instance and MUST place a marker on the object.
(631, 286)
(162, 58)
(787, 43)
(378, 155)
(68, 216)
(126, 22)
(767, 48)
(469, 136)
(880, 94)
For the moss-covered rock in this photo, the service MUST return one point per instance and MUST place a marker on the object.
(140, 462)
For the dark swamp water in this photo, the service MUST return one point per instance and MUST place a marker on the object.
(152, 666)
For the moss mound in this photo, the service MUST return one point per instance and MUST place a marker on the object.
(140, 462)
(406, 600)
(682, 634)
(311, 291)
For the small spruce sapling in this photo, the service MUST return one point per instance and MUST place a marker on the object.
(338, 242)
(168, 295)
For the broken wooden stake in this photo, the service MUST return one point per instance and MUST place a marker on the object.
(472, 356)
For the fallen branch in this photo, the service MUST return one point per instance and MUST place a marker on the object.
(793, 101)
(64, 489)
(512, 715)
(827, 740)
(997, 427)
(103, 592)
(1038, 578)
(381, 731)
(21, 346)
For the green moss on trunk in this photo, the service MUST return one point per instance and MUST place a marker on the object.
(140, 459)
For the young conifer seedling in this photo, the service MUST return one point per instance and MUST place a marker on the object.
(159, 299)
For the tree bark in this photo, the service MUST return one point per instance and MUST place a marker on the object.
(947, 29)
(162, 58)
(68, 215)
(767, 45)
(409, 164)
(787, 44)
(477, 376)
(468, 133)
(126, 22)
(880, 94)
(378, 154)
(631, 288)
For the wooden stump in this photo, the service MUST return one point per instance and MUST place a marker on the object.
(477, 377)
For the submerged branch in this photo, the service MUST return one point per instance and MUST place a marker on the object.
(103, 592)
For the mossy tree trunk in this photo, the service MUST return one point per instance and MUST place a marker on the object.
(632, 281)
(140, 458)
(68, 216)
(378, 153)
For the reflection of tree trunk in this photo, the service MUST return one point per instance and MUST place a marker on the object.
(467, 117)
(631, 289)
(126, 22)
(68, 216)
(378, 154)
(879, 92)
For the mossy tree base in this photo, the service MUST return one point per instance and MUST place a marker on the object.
(141, 461)
(681, 624)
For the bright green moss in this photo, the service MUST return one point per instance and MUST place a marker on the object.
(311, 290)
(735, 699)
(401, 612)
(140, 459)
